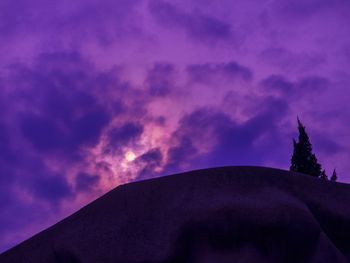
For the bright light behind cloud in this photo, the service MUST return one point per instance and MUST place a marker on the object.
(130, 156)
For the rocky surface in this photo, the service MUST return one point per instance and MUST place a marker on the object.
(229, 214)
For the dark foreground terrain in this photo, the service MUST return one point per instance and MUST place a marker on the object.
(230, 214)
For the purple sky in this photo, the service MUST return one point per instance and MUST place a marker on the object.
(96, 93)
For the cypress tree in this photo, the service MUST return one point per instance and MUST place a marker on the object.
(334, 176)
(323, 175)
(303, 160)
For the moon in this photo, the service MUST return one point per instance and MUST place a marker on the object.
(130, 156)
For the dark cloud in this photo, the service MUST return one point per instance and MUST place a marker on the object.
(240, 144)
(15, 217)
(290, 61)
(326, 145)
(61, 109)
(278, 83)
(181, 155)
(160, 79)
(252, 142)
(124, 135)
(94, 20)
(304, 86)
(313, 83)
(52, 110)
(34, 177)
(55, 107)
(85, 181)
(199, 26)
(210, 72)
(194, 130)
(50, 187)
(7, 155)
(87, 129)
(42, 132)
(149, 162)
(306, 8)
(151, 156)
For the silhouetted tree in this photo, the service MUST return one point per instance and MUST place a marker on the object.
(334, 176)
(323, 175)
(303, 160)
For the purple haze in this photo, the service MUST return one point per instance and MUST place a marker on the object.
(97, 93)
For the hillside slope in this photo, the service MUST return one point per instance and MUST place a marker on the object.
(229, 214)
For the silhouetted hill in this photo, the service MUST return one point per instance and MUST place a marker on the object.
(229, 214)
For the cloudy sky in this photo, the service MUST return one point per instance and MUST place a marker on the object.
(98, 93)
